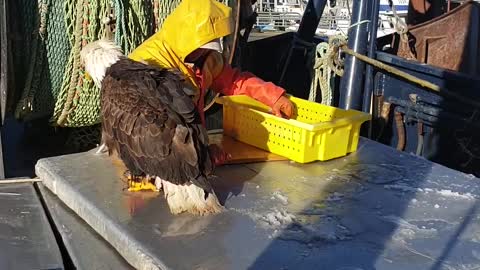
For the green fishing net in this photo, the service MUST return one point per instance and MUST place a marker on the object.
(54, 84)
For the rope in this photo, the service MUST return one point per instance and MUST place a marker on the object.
(401, 28)
(76, 62)
(322, 74)
(326, 62)
(235, 33)
(341, 43)
(120, 29)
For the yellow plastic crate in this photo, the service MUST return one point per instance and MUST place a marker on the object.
(315, 131)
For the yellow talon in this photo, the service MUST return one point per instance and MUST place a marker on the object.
(135, 186)
(87, 76)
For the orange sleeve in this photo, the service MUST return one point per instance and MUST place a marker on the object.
(233, 82)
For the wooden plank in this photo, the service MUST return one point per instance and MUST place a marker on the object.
(241, 152)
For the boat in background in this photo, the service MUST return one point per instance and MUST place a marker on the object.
(285, 15)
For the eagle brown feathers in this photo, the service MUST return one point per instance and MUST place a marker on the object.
(150, 120)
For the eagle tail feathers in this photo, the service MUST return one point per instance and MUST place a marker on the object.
(191, 199)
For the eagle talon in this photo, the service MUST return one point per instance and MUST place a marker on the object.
(139, 183)
(127, 174)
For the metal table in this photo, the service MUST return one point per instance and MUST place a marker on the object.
(374, 209)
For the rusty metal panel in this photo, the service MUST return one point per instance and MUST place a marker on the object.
(451, 41)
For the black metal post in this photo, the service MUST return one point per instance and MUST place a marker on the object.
(3, 74)
(372, 49)
(310, 19)
(3, 59)
(351, 85)
(306, 30)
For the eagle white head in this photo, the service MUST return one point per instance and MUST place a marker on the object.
(99, 55)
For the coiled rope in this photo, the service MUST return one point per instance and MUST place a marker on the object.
(327, 62)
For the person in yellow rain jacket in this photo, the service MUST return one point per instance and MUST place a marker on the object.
(190, 40)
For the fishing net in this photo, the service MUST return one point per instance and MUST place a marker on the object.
(54, 84)
(46, 54)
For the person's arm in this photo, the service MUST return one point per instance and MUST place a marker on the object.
(230, 81)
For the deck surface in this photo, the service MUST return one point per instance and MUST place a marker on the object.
(27, 240)
(85, 247)
(374, 209)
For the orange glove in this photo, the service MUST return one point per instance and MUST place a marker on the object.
(218, 156)
(283, 105)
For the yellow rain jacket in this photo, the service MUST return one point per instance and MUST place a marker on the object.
(191, 25)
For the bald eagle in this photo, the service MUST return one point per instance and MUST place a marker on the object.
(150, 121)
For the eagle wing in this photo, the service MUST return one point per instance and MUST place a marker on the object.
(149, 118)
